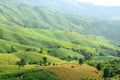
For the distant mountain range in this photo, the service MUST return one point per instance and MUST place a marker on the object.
(73, 7)
(76, 8)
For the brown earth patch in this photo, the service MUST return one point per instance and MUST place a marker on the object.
(74, 71)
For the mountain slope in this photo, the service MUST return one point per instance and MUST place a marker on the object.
(51, 29)
(39, 37)
(58, 43)
(79, 8)
(18, 13)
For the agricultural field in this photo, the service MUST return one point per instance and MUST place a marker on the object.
(58, 40)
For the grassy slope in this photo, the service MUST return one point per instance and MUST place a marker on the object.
(53, 31)
(11, 59)
(8, 59)
(63, 53)
(14, 17)
(32, 56)
(21, 39)
(14, 14)
(29, 72)
(65, 72)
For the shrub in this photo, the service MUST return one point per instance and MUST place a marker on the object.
(108, 72)
(54, 64)
(72, 66)
(81, 61)
(99, 66)
(12, 49)
(33, 62)
(44, 60)
(1, 51)
(21, 63)
(91, 63)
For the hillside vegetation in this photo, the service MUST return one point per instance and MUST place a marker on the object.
(69, 42)
(22, 14)
(39, 43)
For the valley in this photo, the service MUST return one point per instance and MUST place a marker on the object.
(39, 43)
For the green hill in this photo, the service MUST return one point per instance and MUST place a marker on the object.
(35, 57)
(44, 39)
(31, 57)
(20, 13)
(21, 39)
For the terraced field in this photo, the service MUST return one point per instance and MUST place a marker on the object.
(75, 72)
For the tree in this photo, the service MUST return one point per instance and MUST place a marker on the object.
(44, 60)
(1, 51)
(29, 49)
(101, 54)
(69, 58)
(41, 50)
(75, 58)
(99, 66)
(49, 63)
(106, 72)
(21, 63)
(86, 54)
(81, 61)
(53, 64)
(12, 49)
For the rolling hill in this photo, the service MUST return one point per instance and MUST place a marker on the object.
(22, 14)
(26, 26)
(53, 35)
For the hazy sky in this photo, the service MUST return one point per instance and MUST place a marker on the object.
(103, 2)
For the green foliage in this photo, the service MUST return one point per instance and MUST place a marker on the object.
(64, 54)
(107, 72)
(102, 58)
(33, 57)
(86, 54)
(59, 36)
(81, 61)
(54, 64)
(44, 51)
(21, 63)
(114, 63)
(109, 68)
(99, 66)
(52, 29)
(40, 75)
(44, 60)
(12, 50)
(91, 62)
(35, 74)
(30, 49)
